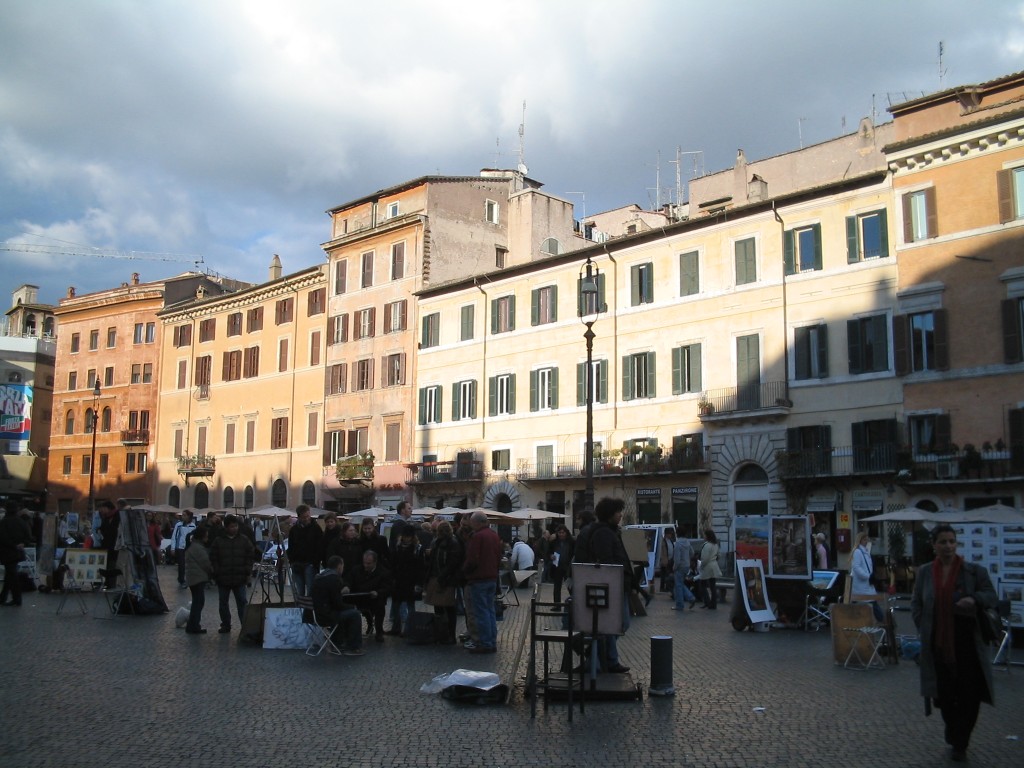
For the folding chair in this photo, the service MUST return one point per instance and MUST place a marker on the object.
(116, 594)
(1002, 654)
(71, 585)
(319, 633)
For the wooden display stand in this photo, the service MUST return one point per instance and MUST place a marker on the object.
(849, 615)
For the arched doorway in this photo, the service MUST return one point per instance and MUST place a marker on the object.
(750, 491)
(174, 497)
(249, 497)
(201, 497)
(279, 493)
(229, 497)
(309, 493)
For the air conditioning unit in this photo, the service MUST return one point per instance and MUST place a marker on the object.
(947, 470)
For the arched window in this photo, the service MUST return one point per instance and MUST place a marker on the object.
(309, 493)
(248, 497)
(105, 420)
(750, 490)
(279, 493)
(89, 421)
(174, 497)
(229, 497)
(202, 496)
(30, 325)
(69, 423)
(551, 247)
(48, 327)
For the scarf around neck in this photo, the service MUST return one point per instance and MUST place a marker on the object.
(943, 582)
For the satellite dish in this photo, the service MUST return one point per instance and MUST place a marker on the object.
(523, 169)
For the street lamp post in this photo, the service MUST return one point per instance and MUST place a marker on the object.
(589, 308)
(92, 457)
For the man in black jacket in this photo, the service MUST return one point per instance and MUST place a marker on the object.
(374, 580)
(328, 593)
(14, 536)
(607, 548)
(305, 545)
(232, 557)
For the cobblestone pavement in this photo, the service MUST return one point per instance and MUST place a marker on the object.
(84, 693)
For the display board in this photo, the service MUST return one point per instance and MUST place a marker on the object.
(755, 592)
(85, 565)
(283, 628)
(1000, 548)
(597, 587)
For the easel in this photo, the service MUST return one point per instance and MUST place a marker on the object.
(71, 585)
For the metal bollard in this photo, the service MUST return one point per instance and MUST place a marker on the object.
(661, 666)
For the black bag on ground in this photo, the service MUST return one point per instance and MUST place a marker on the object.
(423, 628)
(467, 694)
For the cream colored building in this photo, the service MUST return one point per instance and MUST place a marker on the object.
(241, 395)
(384, 248)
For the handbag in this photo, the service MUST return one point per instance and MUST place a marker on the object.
(990, 624)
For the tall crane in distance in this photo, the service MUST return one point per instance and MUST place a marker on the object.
(63, 248)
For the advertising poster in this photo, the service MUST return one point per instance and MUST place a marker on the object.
(15, 411)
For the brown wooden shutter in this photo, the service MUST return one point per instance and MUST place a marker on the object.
(900, 347)
(941, 340)
(908, 220)
(932, 217)
(1004, 192)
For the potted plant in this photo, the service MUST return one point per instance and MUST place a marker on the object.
(705, 408)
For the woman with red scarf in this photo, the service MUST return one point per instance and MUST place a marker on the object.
(956, 671)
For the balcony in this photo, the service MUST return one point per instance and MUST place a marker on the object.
(757, 401)
(198, 465)
(464, 470)
(134, 437)
(841, 461)
(967, 464)
(649, 463)
(355, 468)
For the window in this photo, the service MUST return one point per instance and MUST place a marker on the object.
(367, 270)
(72, 381)
(69, 423)
(590, 304)
(138, 334)
(105, 419)
(686, 369)
(544, 305)
(501, 394)
(201, 376)
(920, 220)
(868, 344)
(551, 247)
(395, 316)
(90, 421)
(930, 433)
(337, 379)
(1010, 189)
(282, 355)
(397, 261)
(150, 333)
(803, 249)
(467, 319)
(104, 463)
(182, 374)
(315, 302)
(431, 330)
(809, 449)
(232, 365)
(279, 433)
(641, 284)
(312, 428)
(141, 464)
(234, 324)
(254, 320)
(874, 445)
(334, 446)
(365, 322)
(746, 261)
(337, 329)
(500, 255)
(179, 440)
(229, 437)
(392, 441)
(430, 405)
(90, 378)
(501, 460)
(638, 376)
(544, 389)
(111, 338)
(491, 211)
(75, 341)
(748, 372)
(392, 209)
(545, 460)
(463, 400)
(147, 373)
(207, 329)
(810, 347)
(362, 375)
(250, 436)
(66, 468)
(393, 370)
(503, 314)
(284, 311)
(129, 462)
(920, 342)
(94, 340)
(182, 335)
(867, 236)
(314, 348)
(598, 381)
(136, 377)
(86, 464)
(251, 362)
(340, 276)
(1013, 330)
(229, 497)
(689, 273)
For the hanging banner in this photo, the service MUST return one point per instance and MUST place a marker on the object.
(15, 411)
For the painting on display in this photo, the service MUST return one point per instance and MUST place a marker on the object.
(85, 565)
(790, 547)
(752, 586)
(752, 536)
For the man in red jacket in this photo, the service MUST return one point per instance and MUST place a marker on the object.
(483, 556)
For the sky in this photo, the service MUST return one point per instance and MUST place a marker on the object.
(224, 130)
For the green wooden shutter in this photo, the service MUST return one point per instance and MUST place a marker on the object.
(689, 274)
(534, 375)
(789, 252)
(816, 228)
(648, 274)
(627, 377)
(854, 345)
(494, 316)
(880, 346)
(512, 313)
(802, 352)
(852, 240)
(634, 285)
(492, 396)
(554, 388)
(472, 399)
(823, 350)
(900, 347)
(438, 390)
(512, 393)
(883, 231)
(652, 375)
(455, 400)
(422, 419)
(602, 382)
(581, 383)
(696, 375)
(535, 306)
(678, 376)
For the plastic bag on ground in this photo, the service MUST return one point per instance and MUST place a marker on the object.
(468, 677)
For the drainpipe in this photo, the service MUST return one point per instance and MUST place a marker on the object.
(785, 319)
(483, 363)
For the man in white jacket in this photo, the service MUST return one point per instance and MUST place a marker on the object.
(183, 529)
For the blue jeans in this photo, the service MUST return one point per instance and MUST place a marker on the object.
(612, 641)
(302, 579)
(225, 607)
(681, 592)
(481, 595)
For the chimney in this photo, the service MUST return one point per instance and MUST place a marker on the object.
(135, 278)
(71, 292)
(275, 267)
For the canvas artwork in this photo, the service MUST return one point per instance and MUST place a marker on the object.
(754, 590)
(752, 537)
(85, 565)
(790, 547)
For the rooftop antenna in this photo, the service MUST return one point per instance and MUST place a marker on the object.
(800, 130)
(697, 157)
(522, 143)
(657, 182)
(942, 69)
(497, 152)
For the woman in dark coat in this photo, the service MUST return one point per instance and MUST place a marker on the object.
(956, 669)
(348, 547)
(561, 567)
(407, 576)
(370, 540)
(444, 567)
